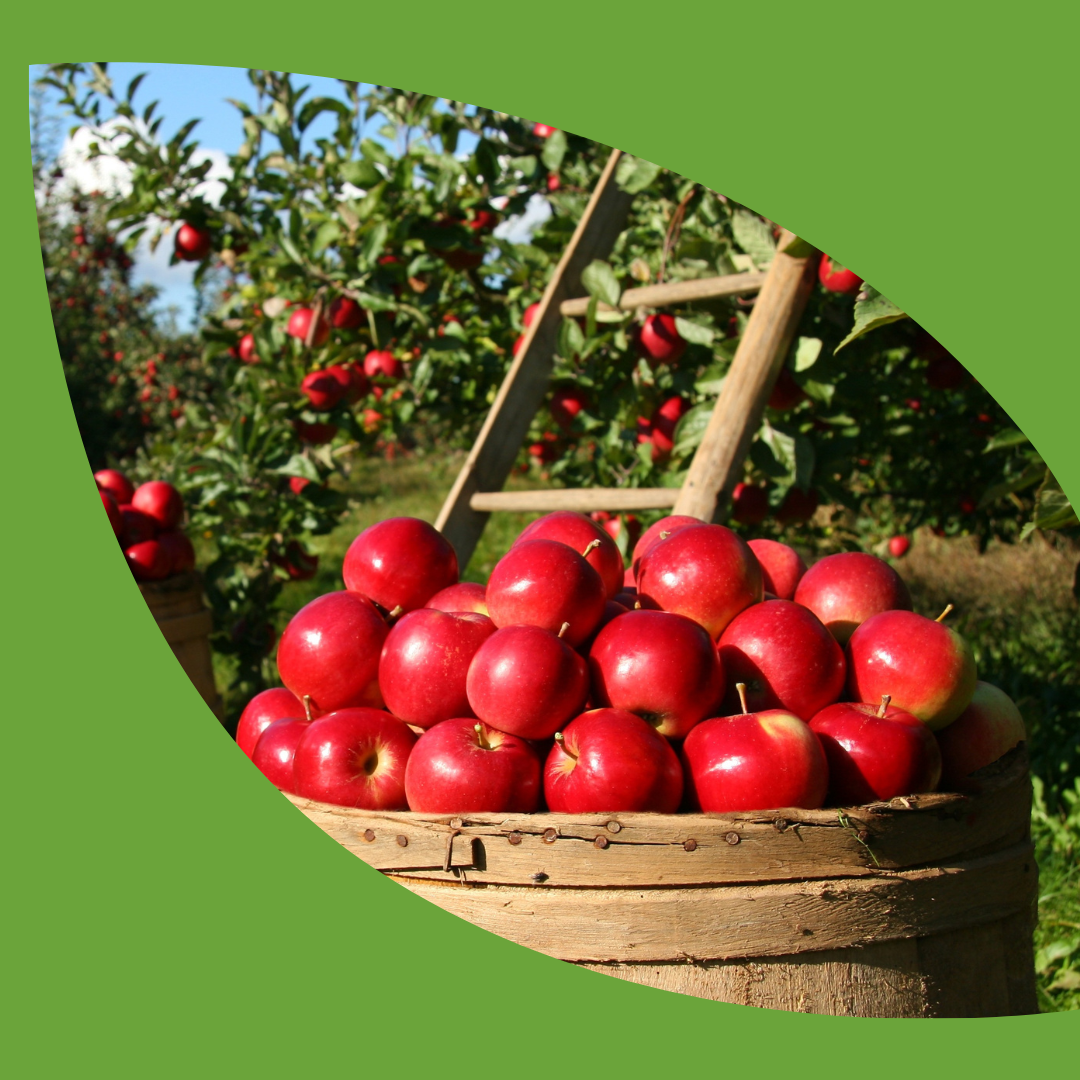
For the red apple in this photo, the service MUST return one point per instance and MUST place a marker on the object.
(656, 532)
(553, 182)
(314, 434)
(566, 403)
(297, 562)
(178, 551)
(754, 761)
(464, 596)
(781, 567)
(400, 563)
(543, 131)
(547, 584)
(148, 561)
(610, 761)
(845, 590)
(786, 392)
(161, 501)
(352, 380)
(261, 711)
(898, 546)
(705, 572)
(462, 766)
(192, 243)
(527, 682)
(354, 757)
(346, 314)
(112, 511)
(663, 423)
(300, 324)
(661, 666)
(330, 650)
(581, 533)
(518, 342)
(137, 526)
(798, 505)
(836, 278)
(382, 362)
(275, 751)
(784, 656)
(749, 504)
(246, 349)
(323, 390)
(530, 314)
(659, 341)
(990, 726)
(425, 661)
(116, 484)
(926, 667)
(876, 753)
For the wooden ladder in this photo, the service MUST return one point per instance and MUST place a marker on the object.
(717, 465)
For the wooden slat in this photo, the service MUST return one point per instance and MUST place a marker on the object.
(718, 463)
(584, 500)
(675, 292)
(526, 383)
(724, 923)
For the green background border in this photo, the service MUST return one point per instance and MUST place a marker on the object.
(171, 914)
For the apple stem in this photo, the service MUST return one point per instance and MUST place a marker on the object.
(637, 605)
(741, 687)
(592, 544)
(481, 741)
(307, 706)
(562, 745)
(664, 535)
(562, 629)
(883, 707)
(396, 612)
(948, 608)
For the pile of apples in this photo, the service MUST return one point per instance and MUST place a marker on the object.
(713, 674)
(146, 521)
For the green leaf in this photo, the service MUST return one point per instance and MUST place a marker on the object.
(360, 173)
(1034, 473)
(600, 281)
(635, 174)
(819, 391)
(690, 430)
(870, 313)
(321, 105)
(299, 465)
(487, 161)
(554, 151)
(1053, 510)
(694, 332)
(525, 165)
(291, 250)
(571, 339)
(807, 352)
(374, 242)
(1004, 439)
(328, 232)
(754, 237)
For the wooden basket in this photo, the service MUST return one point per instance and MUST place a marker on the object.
(184, 619)
(923, 906)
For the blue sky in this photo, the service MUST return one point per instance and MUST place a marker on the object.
(189, 91)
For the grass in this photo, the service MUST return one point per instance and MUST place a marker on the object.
(1015, 604)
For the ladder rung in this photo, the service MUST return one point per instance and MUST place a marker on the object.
(677, 292)
(580, 499)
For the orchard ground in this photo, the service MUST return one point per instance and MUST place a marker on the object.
(1014, 603)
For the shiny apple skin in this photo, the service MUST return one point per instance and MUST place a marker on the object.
(275, 751)
(782, 567)
(660, 666)
(705, 572)
(137, 525)
(330, 650)
(178, 550)
(844, 590)
(544, 583)
(578, 531)
(161, 501)
(990, 726)
(262, 710)
(875, 758)
(785, 658)
(612, 761)
(116, 484)
(927, 668)
(651, 537)
(148, 560)
(400, 562)
(425, 661)
(768, 760)
(527, 682)
(464, 596)
(659, 340)
(354, 757)
(453, 770)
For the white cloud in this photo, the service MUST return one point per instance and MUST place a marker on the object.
(520, 228)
